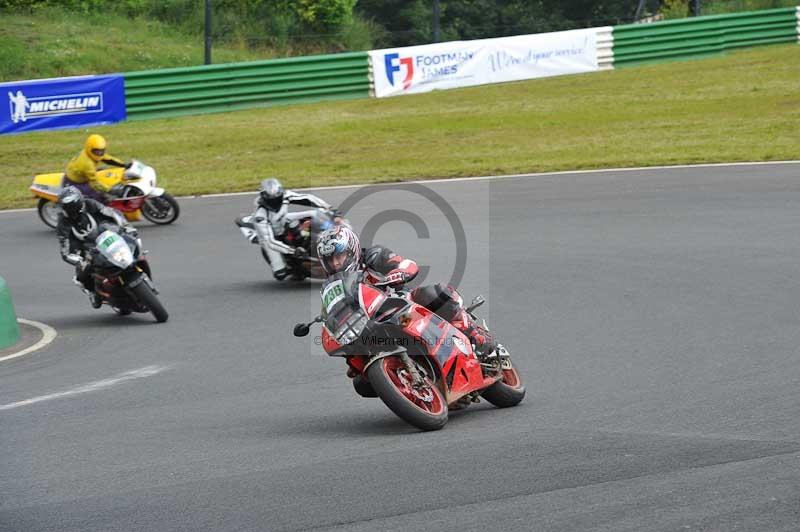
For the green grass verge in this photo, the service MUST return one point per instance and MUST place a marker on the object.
(740, 107)
(52, 42)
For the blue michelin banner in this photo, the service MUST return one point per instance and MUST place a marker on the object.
(61, 103)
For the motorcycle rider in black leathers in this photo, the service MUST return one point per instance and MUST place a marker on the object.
(340, 250)
(79, 216)
(272, 219)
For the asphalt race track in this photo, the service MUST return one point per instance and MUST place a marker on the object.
(654, 315)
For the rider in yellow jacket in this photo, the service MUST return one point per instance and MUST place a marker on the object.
(82, 169)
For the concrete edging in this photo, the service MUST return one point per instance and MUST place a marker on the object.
(9, 330)
(48, 335)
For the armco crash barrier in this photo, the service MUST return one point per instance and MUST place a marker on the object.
(232, 86)
(700, 36)
(9, 330)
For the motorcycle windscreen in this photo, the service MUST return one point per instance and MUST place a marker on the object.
(344, 318)
(114, 248)
(321, 221)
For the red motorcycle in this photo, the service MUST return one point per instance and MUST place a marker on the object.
(417, 362)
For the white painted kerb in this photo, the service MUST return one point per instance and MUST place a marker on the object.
(48, 335)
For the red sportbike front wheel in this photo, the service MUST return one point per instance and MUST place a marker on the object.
(423, 405)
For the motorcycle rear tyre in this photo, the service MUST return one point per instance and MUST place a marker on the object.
(43, 208)
(503, 395)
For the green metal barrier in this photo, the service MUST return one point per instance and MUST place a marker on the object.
(693, 37)
(9, 330)
(231, 86)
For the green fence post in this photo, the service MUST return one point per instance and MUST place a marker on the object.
(9, 330)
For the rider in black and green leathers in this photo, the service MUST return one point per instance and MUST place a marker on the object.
(77, 219)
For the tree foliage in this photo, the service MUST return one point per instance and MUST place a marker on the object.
(362, 24)
(410, 21)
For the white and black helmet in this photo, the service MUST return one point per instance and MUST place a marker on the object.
(71, 202)
(271, 192)
(339, 250)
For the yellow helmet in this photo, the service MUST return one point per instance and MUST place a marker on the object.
(95, 147)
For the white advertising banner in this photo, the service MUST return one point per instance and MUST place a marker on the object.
(449, 65)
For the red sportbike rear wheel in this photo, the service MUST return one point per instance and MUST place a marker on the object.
(423, 406)
(508, 391)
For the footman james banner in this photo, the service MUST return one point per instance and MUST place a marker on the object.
(464, 63)
(61, 103)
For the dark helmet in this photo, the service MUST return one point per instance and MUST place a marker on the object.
(71, 202)
(271, 192)
(339, 250)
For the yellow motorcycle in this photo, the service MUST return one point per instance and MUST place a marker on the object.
(140, 196)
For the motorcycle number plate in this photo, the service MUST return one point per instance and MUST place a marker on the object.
(107, 239)
(332, 294)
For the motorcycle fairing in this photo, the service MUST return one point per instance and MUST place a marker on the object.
(47, 185)
(329, 343)
(451, 350)
(370, 299)
(341, 299)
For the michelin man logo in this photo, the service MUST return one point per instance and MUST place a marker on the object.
(24, 108)
(18, 104)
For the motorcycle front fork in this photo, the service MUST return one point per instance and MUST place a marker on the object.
(417, 379)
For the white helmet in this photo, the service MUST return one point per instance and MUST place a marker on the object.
(271, 192)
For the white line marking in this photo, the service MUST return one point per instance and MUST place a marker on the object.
(147, 371)
(509, 176)
(48, 335)
(17, 210)
(487, 177)
(227, 194)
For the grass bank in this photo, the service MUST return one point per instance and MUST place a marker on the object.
(53, 42)
(740, 107)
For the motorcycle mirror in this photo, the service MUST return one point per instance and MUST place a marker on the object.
(301, 329)
(477, 302)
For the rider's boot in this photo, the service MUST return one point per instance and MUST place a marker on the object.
(483, 342)
(94, 298)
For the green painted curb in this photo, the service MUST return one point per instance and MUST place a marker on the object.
(9, 330)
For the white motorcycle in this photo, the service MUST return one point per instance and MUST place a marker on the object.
(302, 231)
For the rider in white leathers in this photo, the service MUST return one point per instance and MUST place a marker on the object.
(272, 217)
